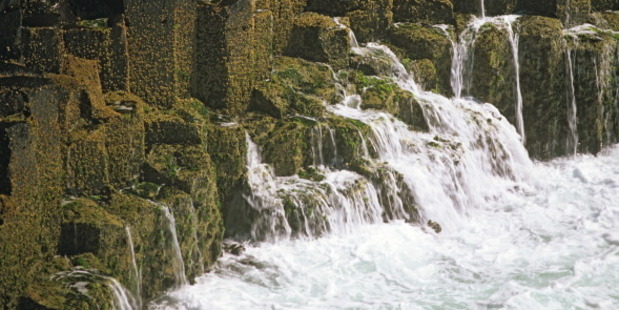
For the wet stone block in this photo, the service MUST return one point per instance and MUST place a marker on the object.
(92, 9)
(225, 69)
(43, 49)
(318, 38)
(46, 13)
(87, 165)
(173, 131)
(109, 47)
(10, 23)
(5, 156)
(430, 12)
(78, 238)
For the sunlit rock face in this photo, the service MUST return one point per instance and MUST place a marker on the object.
(135, 136)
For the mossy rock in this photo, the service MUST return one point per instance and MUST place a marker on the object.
(603, 5)
(493, 8)
(607, 20)
(199, 227)
(382, 176)
(87, 164)
(543, 8)
(338, 8)
(370, 65)
(423, 11)
(371, 20)
(170, 129)
(319, 38)
(60, 289)
(287, 147)
(542, 51)
(284, 12)
(281, 100)
(152, 239)
(349, 137)
(124, 138)
(384, 94)
(309, 78)
(425, 42)
(596, 106)
(227, 147)
(95, 238)
(187, 167)
(493, 70)
(43, 48)
(424, 72)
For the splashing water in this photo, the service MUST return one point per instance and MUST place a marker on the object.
(80, 278)
(178, 262)
(462, 60)
(573, 109)
(550, 243)
(516, 235)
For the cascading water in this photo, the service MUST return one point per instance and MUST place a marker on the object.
(136, 272)
(79, 279)
(177, 256)
(515, 234)
(606, 97)
(462, 60)
(573, 109)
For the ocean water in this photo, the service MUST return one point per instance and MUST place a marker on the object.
(550, 241)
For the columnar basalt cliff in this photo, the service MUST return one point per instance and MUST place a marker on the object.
(124, 123)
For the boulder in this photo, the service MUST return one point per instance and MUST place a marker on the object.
(168, 129)
(423, 11)
(594, 85)
(604, 5)
(223, 77)
(493, 73)
(319, 38)
(542, 68)
(160, 44)
(108, 45)
(419, 42)
(43, 48)
(371, 20)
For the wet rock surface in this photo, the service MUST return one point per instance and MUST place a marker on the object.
(113, 111)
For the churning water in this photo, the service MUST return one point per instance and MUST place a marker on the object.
(549, 243)
(515, 234)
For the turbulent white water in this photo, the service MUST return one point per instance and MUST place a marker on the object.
(515, 235)
(550, 243)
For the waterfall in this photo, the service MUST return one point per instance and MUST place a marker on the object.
(411, 176)
(572, 108)
(283, 207)
(177, 256)
(513, 40)
(136, 272)
(271, 224)
(482, 8)
(462, 60)
(79, 277)
(351, 35)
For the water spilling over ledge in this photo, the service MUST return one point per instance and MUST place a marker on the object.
(469, 172)
(144, 144)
